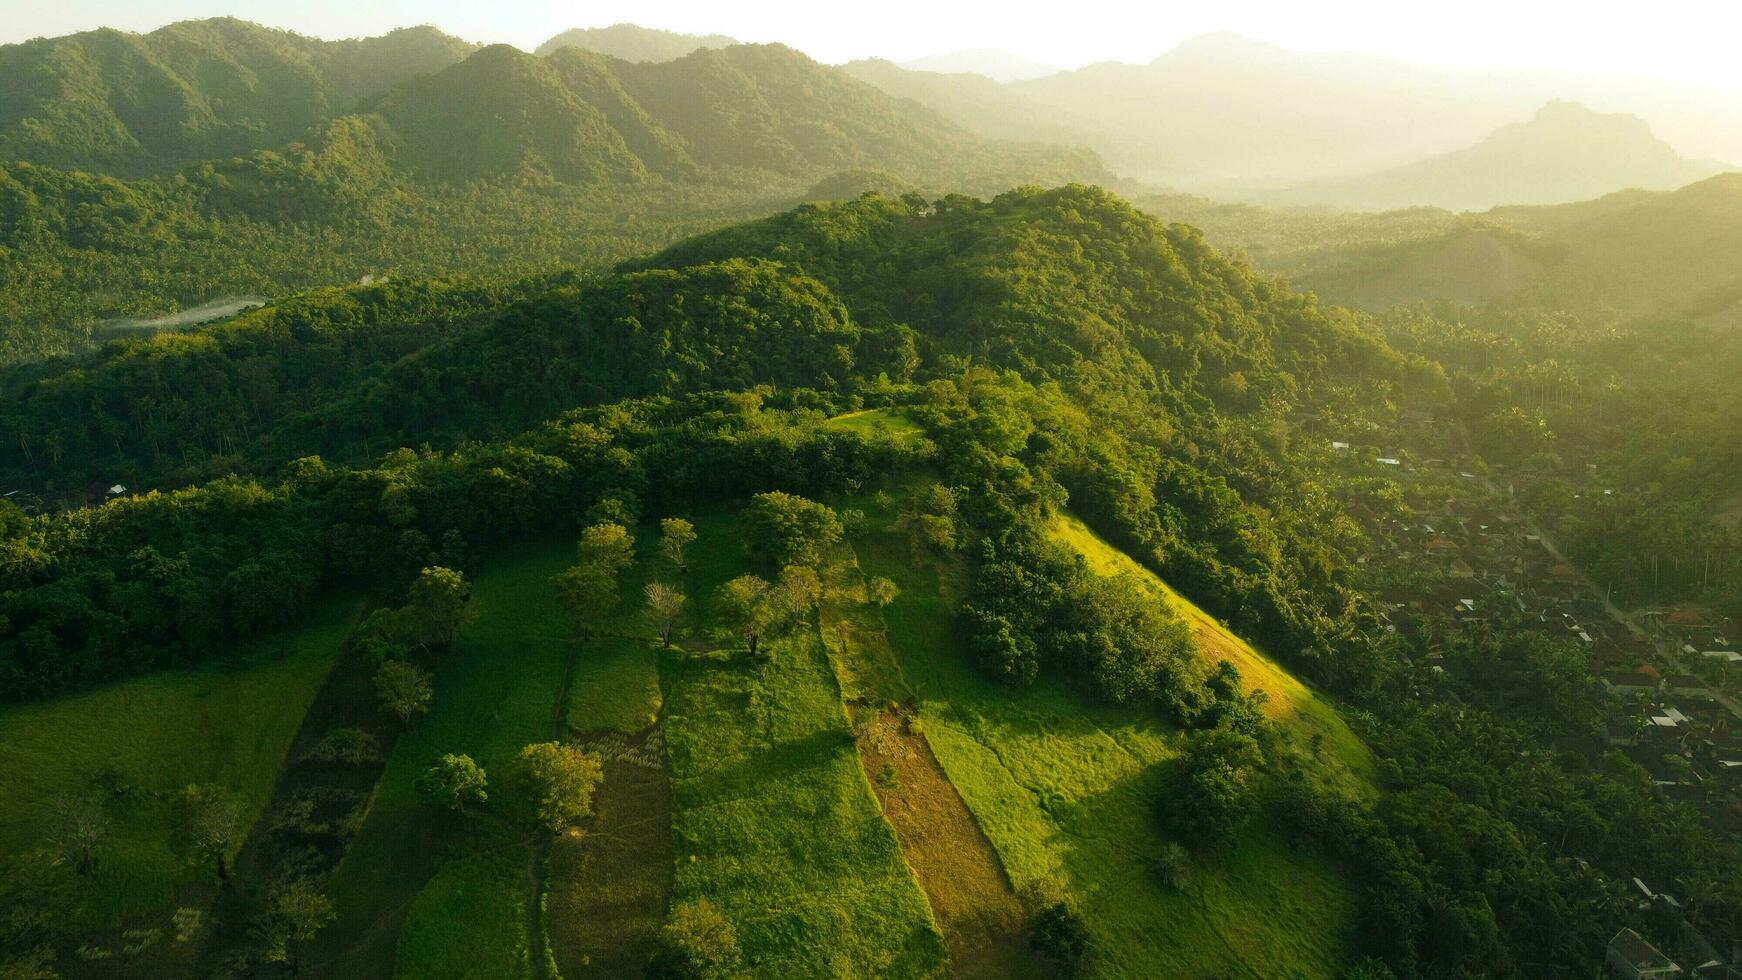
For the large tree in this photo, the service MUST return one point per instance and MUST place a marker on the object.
(557, 783)
(454, 783)
(785, 529)
(404, 689)
(741, 605)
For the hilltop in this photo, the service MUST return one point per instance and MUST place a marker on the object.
(630, 42)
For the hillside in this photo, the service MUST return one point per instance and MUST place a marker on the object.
(630, 42)
(499, 163)
(132, 104)
(1636, 253)
(1566, 153)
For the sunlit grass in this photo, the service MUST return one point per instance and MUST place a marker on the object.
(144, 740)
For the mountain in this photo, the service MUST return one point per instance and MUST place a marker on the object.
(1228, 116)
(633, 43)
(502, 162)
(1566, 153)
(1639, 254)
(1000, 66)
(133, 104)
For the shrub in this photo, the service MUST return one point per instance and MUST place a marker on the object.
(345, 747)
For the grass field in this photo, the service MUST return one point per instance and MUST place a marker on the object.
(495, 691)
(1292, 705)
(890, 423)
(773, 819)
(144, 740)
(1066, 789)
(469, 920)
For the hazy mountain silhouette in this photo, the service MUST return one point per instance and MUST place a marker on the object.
(633, 43)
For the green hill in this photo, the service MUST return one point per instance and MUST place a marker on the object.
(132, 104)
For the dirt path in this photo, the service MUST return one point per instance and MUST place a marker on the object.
(955, 863)
(539, 847)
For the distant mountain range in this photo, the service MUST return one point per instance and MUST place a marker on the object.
(1226, 116)
(1000, 66)
(1565, 153)
(633, 43)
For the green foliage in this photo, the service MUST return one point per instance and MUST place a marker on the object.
(696, 943)
(455, 782)
(557, 782)
(1215, 792)
(781, 529)
(404, 689)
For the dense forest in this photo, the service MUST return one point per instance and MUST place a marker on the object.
(376, 173)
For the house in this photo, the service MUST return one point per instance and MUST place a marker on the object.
(117, 490)
(1629, 682)
(1632, 958)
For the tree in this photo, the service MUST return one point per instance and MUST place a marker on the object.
(783, 529)
(795, 593)
(589, 594)
(210, 823)
(404, 689)
(881, 591)
(79, 824)
(930, 524)
(453, 783)
(557, 782)
(675, 535)
(665, 605)
(696, 943)
(439, 603)
(296, 912)
(1215, 791)
(740, 605)
(608, 547)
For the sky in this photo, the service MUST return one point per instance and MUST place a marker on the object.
(1685, 41)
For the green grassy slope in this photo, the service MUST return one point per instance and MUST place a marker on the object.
(495, 692)
(772, 817)
(144, 740)
(1066, 788)
(1291, 704)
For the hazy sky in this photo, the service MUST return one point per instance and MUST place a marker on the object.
(1683, 40)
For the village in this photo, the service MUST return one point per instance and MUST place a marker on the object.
(1468, 559)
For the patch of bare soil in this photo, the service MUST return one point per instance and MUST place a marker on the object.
(970, 893)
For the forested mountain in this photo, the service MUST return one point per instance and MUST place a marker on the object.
(517, 150)
(630, 42)
(132, 104)
(1566, 153)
